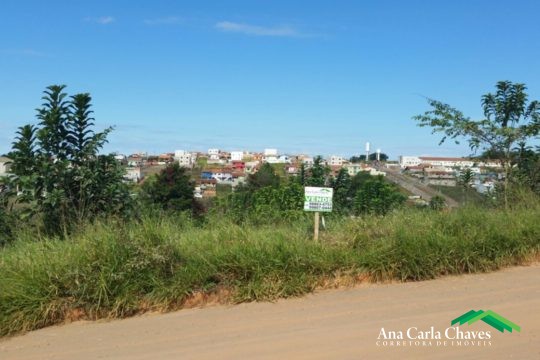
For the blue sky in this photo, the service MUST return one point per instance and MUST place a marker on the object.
(321, 77)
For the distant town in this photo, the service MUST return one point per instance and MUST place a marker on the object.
(231, 168)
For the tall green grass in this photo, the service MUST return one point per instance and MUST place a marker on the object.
(115, 269)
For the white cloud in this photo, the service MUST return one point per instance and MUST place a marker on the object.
(103, 20)
(169, 20)
(284, 31)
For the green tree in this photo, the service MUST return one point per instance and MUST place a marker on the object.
(7, 220)
(376, 196)
(341, 185)
(58, 170)
(527, 170)
(301, 178)
(372, 157)
(357, 181)
(318, 173)
(171, 189)
(264, 205)
(266, 176)
(464, 180)
(437, 203)
(509, 119)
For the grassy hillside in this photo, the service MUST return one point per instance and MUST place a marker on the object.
(116, 269)
(461, 195)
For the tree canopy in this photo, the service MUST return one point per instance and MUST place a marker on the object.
(509, 119)
(58, 170)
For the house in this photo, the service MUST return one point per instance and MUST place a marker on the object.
(165, 158)
(408, 161)
(237, 156)
(224, 155)
(336, 160)
(122, 159)
(209, 193)
(5, 165)
(134, 161)
(222, 176)
(291, 169)
(485, 186)
(133, 174)
(213, 154)
(375, 172)
(284, 159)
(439, 176)
(185, 159)
(238, 165)
(208, 183)
(270, 152)
(451, 162)
(207, 175)
(251, 167)
(257, 156)
(446, 161)
(307, 161)
(354, 169)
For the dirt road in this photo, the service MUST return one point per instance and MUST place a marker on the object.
(332, 324)
(416, 187)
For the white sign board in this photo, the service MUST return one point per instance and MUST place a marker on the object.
(318, 199)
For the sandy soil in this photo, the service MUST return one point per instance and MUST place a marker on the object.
(332, 324)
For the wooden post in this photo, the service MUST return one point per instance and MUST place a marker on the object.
(316, 227)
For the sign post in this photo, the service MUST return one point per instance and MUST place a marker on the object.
(317, 199)
(316, 227)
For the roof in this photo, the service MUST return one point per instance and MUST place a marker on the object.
(4, 159)
(433, 158)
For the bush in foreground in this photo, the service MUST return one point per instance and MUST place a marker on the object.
(119, 269)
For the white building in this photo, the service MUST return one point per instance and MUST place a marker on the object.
(251, 166)
(446, 161)
(133, 174)
(4, 165)
(406, 161)
(237, 155)
(284, 159)
(270, 152)
(213, 154)
(272, 159)
(489, 164)
(449, 162)
(336, 160)
(184, 158)
(354, 169)
(120, 157)
(222, 177)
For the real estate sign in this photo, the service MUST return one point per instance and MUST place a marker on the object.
(318, 199)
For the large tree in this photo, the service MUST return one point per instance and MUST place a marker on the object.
(318, 173)
(509, 119)
(265, 176)
(341, 184)
(58, 170)
(171, 189)
(376, 196)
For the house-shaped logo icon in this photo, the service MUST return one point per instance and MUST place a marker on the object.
(489, 317)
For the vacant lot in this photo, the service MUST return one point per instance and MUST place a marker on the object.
(334, 324)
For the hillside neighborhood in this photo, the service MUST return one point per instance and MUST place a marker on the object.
(231, 168)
